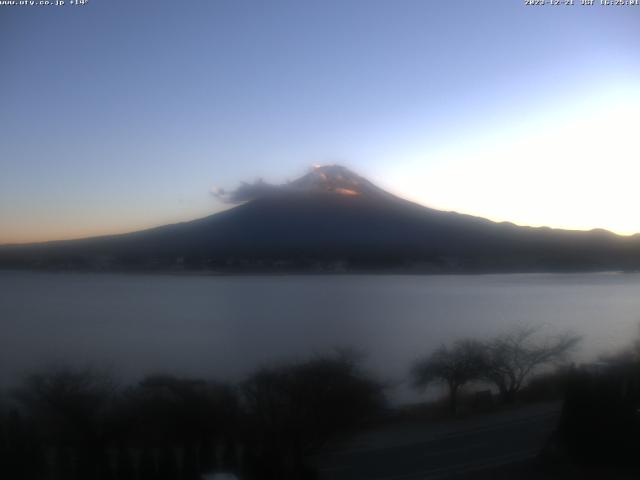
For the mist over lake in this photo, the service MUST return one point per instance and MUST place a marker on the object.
(224, 327)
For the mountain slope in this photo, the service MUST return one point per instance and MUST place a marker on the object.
(332, 218)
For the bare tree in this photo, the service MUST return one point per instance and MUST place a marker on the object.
(455, 366)
(512, 357)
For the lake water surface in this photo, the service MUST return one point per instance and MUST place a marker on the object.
(225, 326)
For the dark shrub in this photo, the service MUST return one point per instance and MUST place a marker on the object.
(600, 422)
(294, 410)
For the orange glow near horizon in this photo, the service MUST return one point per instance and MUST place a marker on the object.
(70, 231)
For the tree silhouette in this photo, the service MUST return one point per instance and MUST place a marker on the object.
(455, 366)
(512, 357)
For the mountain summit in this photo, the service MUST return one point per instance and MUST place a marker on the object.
(321, 179)
(336, 179)
(331, 218)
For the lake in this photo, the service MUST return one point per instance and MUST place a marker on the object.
(223, 327)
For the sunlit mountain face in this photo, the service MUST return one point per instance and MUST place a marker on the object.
(332, 218)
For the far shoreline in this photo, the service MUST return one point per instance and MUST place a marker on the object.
(351, 273)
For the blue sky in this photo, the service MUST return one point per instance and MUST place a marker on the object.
(120, 115)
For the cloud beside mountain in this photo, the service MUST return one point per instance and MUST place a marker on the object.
(247, 192)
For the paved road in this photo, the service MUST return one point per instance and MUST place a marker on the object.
(448, 450)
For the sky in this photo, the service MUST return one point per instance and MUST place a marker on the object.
(119, 115)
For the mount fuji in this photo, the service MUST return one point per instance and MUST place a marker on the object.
(329, 220)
